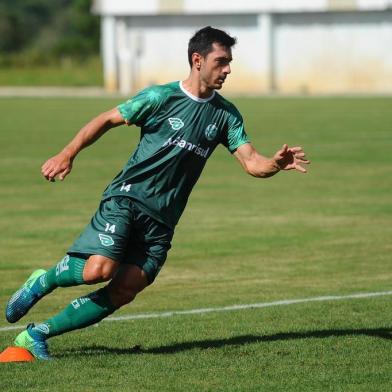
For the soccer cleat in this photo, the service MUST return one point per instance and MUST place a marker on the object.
(24, 299)
(31, 342)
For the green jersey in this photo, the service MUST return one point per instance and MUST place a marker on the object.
(179, 132)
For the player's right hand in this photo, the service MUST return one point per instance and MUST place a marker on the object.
(60, 165)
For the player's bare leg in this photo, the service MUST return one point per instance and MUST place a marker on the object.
(99, 269)
(126, 284)
(90, 309)
(70, 271)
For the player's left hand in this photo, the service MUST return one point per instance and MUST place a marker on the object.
(289, 158)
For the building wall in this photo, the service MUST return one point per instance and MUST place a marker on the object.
(326, 52)
(158, 49)
(334, 52)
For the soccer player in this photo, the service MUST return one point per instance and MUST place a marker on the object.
(128, 238)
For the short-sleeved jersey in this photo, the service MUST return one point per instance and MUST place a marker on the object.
(179, 132)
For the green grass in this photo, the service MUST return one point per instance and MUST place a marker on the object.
(241, 240)
(88, 73)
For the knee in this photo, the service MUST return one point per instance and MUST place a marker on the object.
(99, 269)
(128, 282)
(121, 295)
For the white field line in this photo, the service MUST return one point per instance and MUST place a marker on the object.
(231, 308)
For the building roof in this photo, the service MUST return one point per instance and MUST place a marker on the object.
(199, 7)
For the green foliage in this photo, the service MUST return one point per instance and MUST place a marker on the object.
(240, 241)
(45, 31)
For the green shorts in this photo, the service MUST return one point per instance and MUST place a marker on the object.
(122, 232)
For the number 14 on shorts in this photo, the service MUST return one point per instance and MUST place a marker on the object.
(110, 228)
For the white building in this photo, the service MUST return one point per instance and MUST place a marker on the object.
(287, 46)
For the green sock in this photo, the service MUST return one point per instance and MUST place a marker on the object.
(80, 313)
(68, 272)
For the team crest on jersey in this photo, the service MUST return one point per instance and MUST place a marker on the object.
(176, 123)
(211, 132)
(106, 240)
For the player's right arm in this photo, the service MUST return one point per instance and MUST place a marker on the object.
(61, 164)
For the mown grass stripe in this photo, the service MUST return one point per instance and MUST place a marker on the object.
(231, 307)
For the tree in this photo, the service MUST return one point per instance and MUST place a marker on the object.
(47, 29)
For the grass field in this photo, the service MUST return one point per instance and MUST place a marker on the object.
(240, 241)
(88, 73)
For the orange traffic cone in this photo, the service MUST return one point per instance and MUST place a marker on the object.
(16, 354)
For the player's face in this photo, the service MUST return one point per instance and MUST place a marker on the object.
(215, 67)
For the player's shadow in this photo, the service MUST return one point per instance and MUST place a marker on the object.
(383, 333)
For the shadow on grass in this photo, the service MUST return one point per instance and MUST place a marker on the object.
(384, 333)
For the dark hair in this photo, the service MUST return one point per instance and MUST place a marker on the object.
(203, 39)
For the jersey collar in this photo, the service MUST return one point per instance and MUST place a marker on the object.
(194, 98)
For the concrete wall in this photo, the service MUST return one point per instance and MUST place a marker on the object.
(334, 52)
(158, 48)
(324, 52)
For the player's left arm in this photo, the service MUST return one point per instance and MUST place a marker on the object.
(255, 164)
